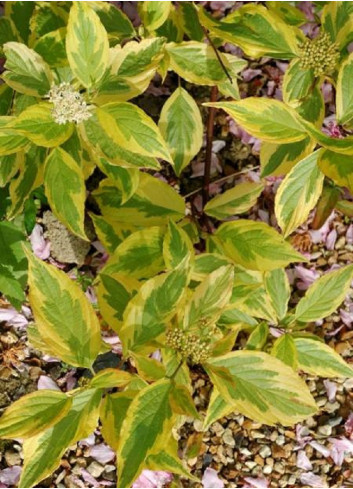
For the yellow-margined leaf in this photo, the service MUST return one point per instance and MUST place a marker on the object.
(101, 144)
(126, 179)
(147, 313)
(176, 246)
(205, 263)
(37, 124)
(285, 350)
(43, 452)
(288, 12)
(87, 45)
(51, 47)
(149, 412)
(316, 358)
(180, 124)
(182, 402)
(338, 145)
(110, 232)
(10, 140)
(189, 20)
(257, 30)
(312, 108)
(196, 62)
(127, 78)
(148, 368)
(264, 118)
(298, 193)
(64, 317)
(338, 167)
(152, 204)
(324, 296)
(346, 207)
(344, 97)
(114, 291)
(34, 413)
(277, 286)
(116, 23)
(9, 166)
(27, 72)
(235, 65)
(209, 299)
(113, 411)
(337, 21)
(217, 408)
(236, 200)
(110, 378)
(279, 159)
(255, 245)
(129, 127)
(262, 387)
(298, 83)
(66, 191)
(258, 337)
(139, 256)
(154, 14)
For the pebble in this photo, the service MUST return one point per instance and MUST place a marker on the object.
(228, 438)
(12, 458)
(281, 440)
(265, 451)
(267, 469)
(95, 469)
(325, 430)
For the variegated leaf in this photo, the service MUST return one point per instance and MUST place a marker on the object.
(338, 167)
(279, 159)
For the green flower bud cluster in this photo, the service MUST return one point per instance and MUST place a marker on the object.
(319, 54)
(189, 345)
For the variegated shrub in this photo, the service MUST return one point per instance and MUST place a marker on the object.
(172, 284)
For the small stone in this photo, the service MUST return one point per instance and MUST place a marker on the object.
(278, 467)
(95, 469)
(265, 451)
(257, 434)
(325, 430)
(340, 243)
(251, 464)
(331, 407)
(217, 428)
(267, 469)
(12, 458)
(228, 438)
(281, 440)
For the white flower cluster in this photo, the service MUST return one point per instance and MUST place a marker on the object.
(69, 104)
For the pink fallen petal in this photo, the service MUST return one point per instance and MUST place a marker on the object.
(218, 145)
(89, 441)
(331, 239)
(152, 478)
(91, 295)
(102, 453)
(249, 74)
(341, 447)
(40, 247)
(256, 482)
(306, 276)
(320, 448)
(45, 382)
(349, 234)
(331, 389)
(348, 426)
(347, 317)
(87, 477)
(10, 476)
(303, 462)
(302, 437)
(312, 480)
(210, 479)
(13, 318)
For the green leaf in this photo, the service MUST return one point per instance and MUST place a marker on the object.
(277, 287)
(182, 402)
(326, 203)
(196, 62)
(209, 299)
(312, 108)
(47, 18)
(255, 245)
(284, 349)
(288, 12)
(65, 190)
(258, 31)
(264, 118)
(114, 291)
(262, 387)
(346, 207)
(52, 47)
(110, 378)
(298, 83)
(13, 263)
(115, 22)
(316, 358)
(279, 159)
(338, 167)
(101, 144)
(205, 263)
(190, 21)
(148, 368)
(64, 317)
(8, 32)
(87, 45)
(37, 124)
(126, 179)
(338, 145)
(153, 14)
(258, 338)
(109, 232)
(113, 411)
(26, 72)
(324, 295)
(147, 313)
(344, 97)
(138, 256)
(153, 203)
(298, 193)
(132, 68)
(10, 140)
(181, 126)
(43, 452)
(337, 20)
(20, 13)
(34, 413)
(147, 423)
(128, 126)
(9, 166)
(236, 200)
(176, 246)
